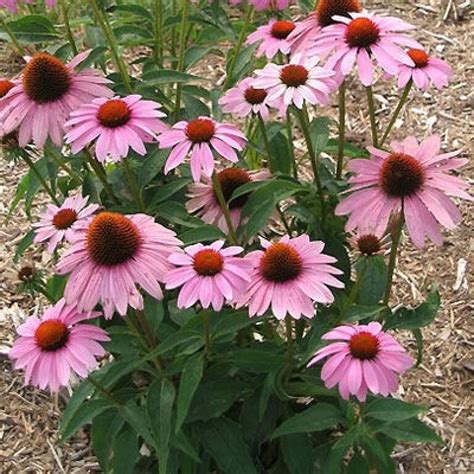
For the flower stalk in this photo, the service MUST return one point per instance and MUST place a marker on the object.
(342, 130)
(112, 40)
(67, 26)
(396, 113)
(393, 257)
(266, 141)
(181, 53)
(304, 123)
(373, 122)
(225, 208)
(243, 34)
(134, 188)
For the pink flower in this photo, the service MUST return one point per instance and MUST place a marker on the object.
(290, 275)
(52, 347)
(112, 256)
(199, 138)
(365, 359)
(208, 274)
(273, 37)
(412, 179)
(203, 200)
(294, 83)
(48, 92)
(309, 29)
(370, 241)
(362, 37)
(59, 223)
(6, 86)
(117, 124)
(426, 69)
(244, 100)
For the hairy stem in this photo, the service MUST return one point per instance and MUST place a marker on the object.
(134, 188)
(396, 113)
(225, 208)
(266, 141)
(342, 130)
(373, 123)
(70, 36)
(393, 257)
(181, 53)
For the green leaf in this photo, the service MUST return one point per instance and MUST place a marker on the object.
(281, 157)
(213, 398)
(190, 379)
(319, 131)
(358, 312)
(181, 337)
(357, 465)
(376, 453)
(421, 316)
(125, 451)
(204, 233)
(391, 409)
(167, 396)
(261, 203)
(24, 243)
(223, 440)
(373, 274)
(21, 189)
(84, 414)
(319, 417)
(33, 29)
(176, 213)
(105, 428)
(55, 287)
(165, 191)
(409, 430)
(256, 360)
(296, 449)
(151, 165)
(419, 346)
(132, 8)
(169, 76)
(350, 150)
(231, 321)
(194, 107)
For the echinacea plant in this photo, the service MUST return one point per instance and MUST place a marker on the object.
(202, 261)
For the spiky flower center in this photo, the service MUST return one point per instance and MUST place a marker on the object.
(51, 335)
(112, 239)
(230, 179)
(64, 218)
(368, 244)
(200, 130)
(401, 175)
(419, 57)
(255, 96)
(208, 262)
(46, 78)
(280, 262)
(294, 75)
(364, 345)
(5, 87)
(26, 274)
(362, 32)
(281, 29)
(326, 9)
(113, 113)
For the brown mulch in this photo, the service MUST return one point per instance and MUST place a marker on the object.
(443, 383)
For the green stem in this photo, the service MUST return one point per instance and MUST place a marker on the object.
(9, 32)
(101, 175)
(225, 208)
(207, 337)
(238, 47)
(181, 53)
(342, 130)
(158, 32)
(43, 182)
(304, 122)
(373, 123)
(393, 257)
(112, 40)
(134, 188)
(70, 36)
(289, 131)
(60, 162)
(149, 336)
(174, 10)
(103, 391)
(266, 141)
(400, 105)
(284, 221)
(289, 338)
